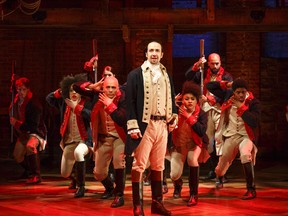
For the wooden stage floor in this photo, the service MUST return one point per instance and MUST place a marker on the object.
(52, 197)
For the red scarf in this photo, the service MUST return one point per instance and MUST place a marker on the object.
(208, 77)
(20, 114)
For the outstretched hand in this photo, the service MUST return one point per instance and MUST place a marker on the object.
(97, 86)
(178, 99)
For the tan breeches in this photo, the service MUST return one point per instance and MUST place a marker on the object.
(152, 147)
(178, 160)
(231, 146)
(108, 149)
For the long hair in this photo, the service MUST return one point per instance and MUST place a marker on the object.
(69, 80)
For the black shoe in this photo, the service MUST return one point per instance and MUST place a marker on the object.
(80, 192)
(250, 194)
(34, 180)
(177, 188)
(107, 194)
(219, 182)
(218, 185)
(118, 201)
(193, 200)
(157, 207)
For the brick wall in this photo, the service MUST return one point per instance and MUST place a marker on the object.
(46, 55)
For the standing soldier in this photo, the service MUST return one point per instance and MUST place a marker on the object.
(150, 108)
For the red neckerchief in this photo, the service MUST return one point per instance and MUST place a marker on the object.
(228, 104)
(247, 101)
(208, 77)
(22, 108)
(196, 111)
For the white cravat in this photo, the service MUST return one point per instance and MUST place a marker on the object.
(156, 72)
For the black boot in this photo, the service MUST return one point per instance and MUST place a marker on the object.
(193, 186)
(249, 175)
(109, 188)
(219, 182)
(80, 167)
(137, 193)
(177, 188)
(26, 171)
(119, 188)
(157, 206)
(34, 164)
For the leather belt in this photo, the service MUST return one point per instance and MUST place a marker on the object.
(156, 118)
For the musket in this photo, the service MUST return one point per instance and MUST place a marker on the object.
(202, 65)
(94, 44)
(12, 89)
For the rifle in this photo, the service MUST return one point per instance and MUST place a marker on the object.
(94, 44)
(12, 90)
(202, 65)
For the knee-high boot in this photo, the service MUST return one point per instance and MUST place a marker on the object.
(157, 206)
(26, 173)
(80, 167)
(119, 188)
(109, 188)
(249, 175)
(34, 164)
(137, 193)
(193, 186)
(177, 188)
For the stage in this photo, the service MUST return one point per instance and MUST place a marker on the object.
(52, 197)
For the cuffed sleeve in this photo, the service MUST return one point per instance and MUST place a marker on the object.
(132, 124)
(110, 108)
